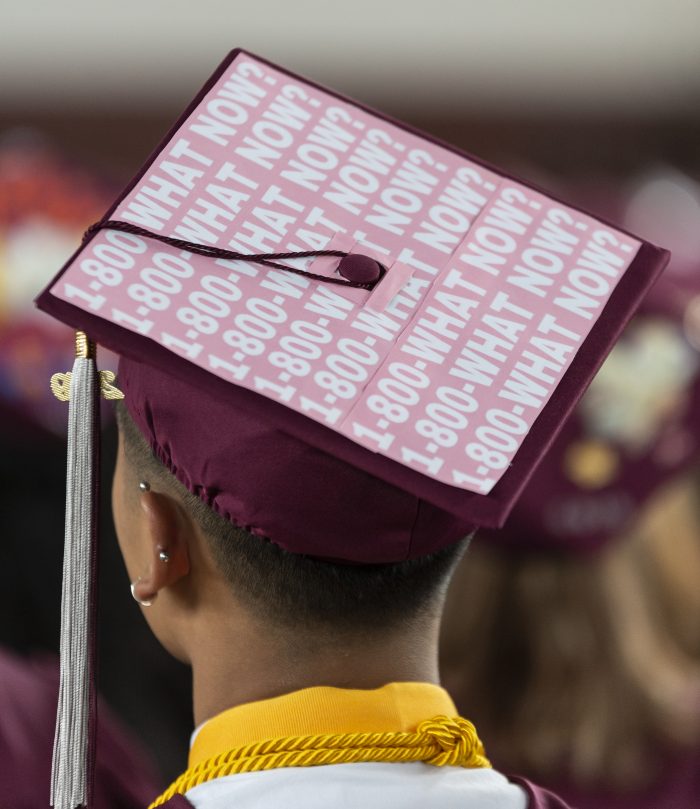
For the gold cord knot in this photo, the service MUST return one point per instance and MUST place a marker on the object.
(457, 742)
(441, 741)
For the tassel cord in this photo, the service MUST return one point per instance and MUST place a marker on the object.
(267, 259)
(69, 772)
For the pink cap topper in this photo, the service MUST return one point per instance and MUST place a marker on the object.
(488, 306)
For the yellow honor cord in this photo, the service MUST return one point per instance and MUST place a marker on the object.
(441, 741)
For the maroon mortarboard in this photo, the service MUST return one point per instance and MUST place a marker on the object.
(637, 427)
(341, 334)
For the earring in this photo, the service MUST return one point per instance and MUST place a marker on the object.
(164, 556)
(145, 486)
(145, 602)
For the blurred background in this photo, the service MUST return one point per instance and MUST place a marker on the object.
(597, 101)
(576, 87)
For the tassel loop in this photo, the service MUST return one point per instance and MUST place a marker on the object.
(61, 384)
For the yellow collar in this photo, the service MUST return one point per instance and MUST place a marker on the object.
(321, 710)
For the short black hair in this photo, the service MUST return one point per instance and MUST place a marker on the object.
(295, 590)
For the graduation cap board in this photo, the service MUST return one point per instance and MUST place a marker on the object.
(379, 296)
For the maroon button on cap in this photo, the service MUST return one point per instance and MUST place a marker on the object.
(360, 269)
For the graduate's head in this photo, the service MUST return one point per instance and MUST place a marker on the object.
(364, 412)
(258, 536)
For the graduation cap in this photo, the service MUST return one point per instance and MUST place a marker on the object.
(340, 333)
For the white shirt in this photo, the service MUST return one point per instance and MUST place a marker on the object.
(372, 785)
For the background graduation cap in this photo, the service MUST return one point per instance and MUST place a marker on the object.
(358, 409)
(637, 427)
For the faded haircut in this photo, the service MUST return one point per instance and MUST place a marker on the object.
(291, 589)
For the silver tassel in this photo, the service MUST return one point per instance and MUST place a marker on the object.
(69, 773)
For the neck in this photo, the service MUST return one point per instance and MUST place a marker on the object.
(246, 664)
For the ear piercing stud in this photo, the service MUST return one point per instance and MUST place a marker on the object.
(145, 486)
(164, 556)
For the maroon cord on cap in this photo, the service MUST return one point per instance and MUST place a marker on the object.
(362, 273)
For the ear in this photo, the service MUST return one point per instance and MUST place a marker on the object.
(167, 532)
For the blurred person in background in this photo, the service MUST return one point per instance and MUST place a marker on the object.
(573, 635)
(46, 202)
(28, 692)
